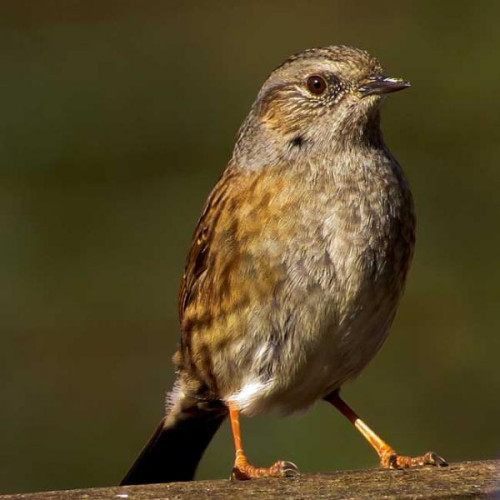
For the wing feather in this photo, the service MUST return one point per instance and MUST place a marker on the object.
(200, 250)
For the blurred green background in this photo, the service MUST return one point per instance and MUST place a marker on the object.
(116, 119)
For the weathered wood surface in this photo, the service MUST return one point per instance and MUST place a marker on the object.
(460, 480)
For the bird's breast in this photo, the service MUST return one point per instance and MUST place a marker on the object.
(346, 233)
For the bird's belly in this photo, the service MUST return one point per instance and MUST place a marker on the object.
(340, 354)
(316, 348)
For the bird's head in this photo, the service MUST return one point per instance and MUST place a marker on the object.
(317, 100)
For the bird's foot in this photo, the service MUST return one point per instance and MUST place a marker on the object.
(244, 470)
(392, 460)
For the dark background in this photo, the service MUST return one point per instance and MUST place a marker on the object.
(116, 119)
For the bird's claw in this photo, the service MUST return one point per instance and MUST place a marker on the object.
(245, 471)
(392, 460)
(289, 469)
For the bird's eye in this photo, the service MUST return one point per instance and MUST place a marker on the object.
(316, 84)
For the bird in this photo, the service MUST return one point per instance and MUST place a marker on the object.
(296, 267)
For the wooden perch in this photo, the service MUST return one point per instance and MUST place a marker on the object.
(460, 480)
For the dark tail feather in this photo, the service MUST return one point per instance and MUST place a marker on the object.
(175, 449)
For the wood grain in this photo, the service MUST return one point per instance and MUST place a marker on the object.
(479, 479)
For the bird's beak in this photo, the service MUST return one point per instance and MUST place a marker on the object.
(378, 85)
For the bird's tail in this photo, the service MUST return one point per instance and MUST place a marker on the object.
(174, 450)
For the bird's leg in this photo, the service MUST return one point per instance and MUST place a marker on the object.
(243, 469)
(388, 456)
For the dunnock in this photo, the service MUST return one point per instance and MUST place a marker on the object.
(296, 267)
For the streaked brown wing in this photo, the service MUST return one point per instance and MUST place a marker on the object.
(198, 257)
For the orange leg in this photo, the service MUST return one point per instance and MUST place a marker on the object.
(243, 469)
(388, 456)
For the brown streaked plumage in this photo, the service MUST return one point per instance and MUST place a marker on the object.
(296, 266)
